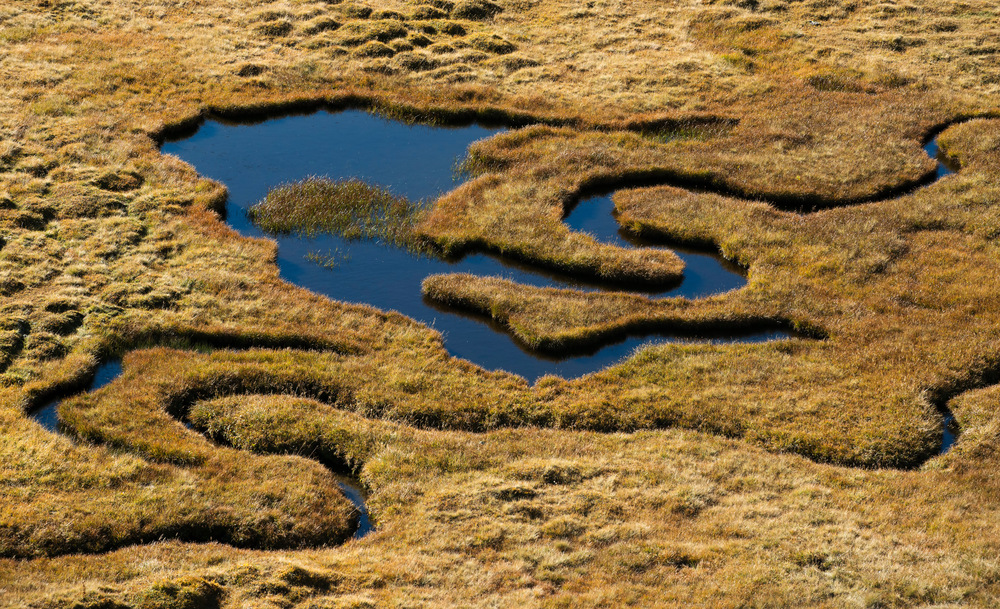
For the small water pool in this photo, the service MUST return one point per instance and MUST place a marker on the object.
(419, 162)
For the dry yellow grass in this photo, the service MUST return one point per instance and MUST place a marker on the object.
(108, 246)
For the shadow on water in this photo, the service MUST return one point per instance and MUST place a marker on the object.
(945, 165)
(358, 497)
(951, 431)
(416, 161)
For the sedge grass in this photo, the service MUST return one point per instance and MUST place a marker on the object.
(350, 209)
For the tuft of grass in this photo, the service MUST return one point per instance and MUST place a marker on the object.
(328, 260)
(374, 48)
(350, 209)
(387, 14)
(425, 12)
(119, 181)
(452, 28)
(475, 10)
(401, 45)
(182, 593)
(354, 11)
(274, 29)
(321, 24)
(250, 69)
(491, 43)
(415, 62)
(359, 32)
(420, 40)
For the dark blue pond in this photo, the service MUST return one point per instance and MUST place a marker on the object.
(420, 162)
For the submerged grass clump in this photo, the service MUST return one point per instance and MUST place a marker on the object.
(350, 209)
(330, 260)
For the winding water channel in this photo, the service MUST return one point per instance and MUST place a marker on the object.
(47, 415)
(415, 161)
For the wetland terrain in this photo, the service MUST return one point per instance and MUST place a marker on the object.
(488, 304)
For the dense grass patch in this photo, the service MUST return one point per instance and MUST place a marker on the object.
(351, 209)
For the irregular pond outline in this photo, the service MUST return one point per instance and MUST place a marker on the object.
(465, 336)
(930, 147)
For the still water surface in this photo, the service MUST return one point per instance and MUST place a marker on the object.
(419, 162)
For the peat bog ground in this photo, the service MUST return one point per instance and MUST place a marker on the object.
(177, 394)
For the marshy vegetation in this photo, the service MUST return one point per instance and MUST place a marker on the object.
(348, 208)
(415, 160)
(727, 478)
(48, 417)
(352, 210)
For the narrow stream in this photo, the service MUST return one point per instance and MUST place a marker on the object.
(417, 161)
(47, 415)
(944, 167)
(355, 493)
(944, 164)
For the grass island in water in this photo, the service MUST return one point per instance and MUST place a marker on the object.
(350, 208)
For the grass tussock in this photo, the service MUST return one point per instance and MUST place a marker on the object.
(350, 209)
(475, 9)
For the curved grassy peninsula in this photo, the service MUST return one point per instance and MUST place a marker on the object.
(784, 137)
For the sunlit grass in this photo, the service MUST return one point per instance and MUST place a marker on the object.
(351, 209)
(827, 103)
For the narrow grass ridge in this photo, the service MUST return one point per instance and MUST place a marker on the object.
(565, 321)
(229, 398)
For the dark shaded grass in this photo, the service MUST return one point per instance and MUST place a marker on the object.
(466, 105)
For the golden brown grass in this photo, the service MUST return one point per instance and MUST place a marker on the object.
(350, 209)
(107, 246)
(561, 517)
(566, 321)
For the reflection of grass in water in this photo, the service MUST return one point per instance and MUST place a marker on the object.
(330, 260)
(350, 209)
